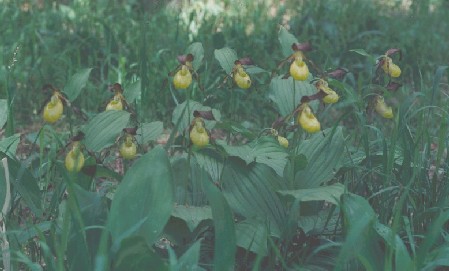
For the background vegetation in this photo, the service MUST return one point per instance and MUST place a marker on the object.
(376, 185)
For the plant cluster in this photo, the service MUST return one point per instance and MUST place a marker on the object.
(218, 194)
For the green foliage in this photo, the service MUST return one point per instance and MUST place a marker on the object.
(147, 189)
(76, 83)
(3, 112)
(103, 129)
(246, 201)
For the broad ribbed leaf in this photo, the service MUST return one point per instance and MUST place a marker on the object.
(325, 221)
(402, 257)
(287, 96)
(3, 112)
(225, 242)
(251, 191)
(187, 117)
(26, 185)
(135, 254)
(192, 215)
(252, 69)
(149, 131)
(211, 161)
(226, 57)
(197, 50)
(143, 201)
(325, 156)
(76, 83)
(103, 130)
(286, 39)
(359, 219)
(252, 235)
(330, 193)
(133, 91)
(189, 260)
(265, 150)
(9, 145)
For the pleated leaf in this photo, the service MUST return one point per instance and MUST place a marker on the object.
(3, 112)
(197, 50)
(76, 83)
(149, 131)
(9, 145)
(226, 57)
(25, 184)
(252, 235)
(225, 241)
(325, 154)
(286, 39)
(265, 150)
(102, 131)
(133, 91)
(187, 118)
(143, 201)
(329, 193)
(251, 192)
(192, 215)
(189, 260)
(211, 161)
(359, 219)
(287, 93)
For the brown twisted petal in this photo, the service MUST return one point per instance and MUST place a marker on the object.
(305, 47)
(338, 73)
(393, 86)
(393, 51)
(131, 130)
(207, 115)
(185, 58)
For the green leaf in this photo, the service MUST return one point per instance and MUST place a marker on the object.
(252, 69)
(235, 127)
(143, 201)
(135, 254)
(251, 192)
(265, 150)
(225, 242)
(286, 39)
(197, 50)
(3, 112)
(25, 184)
(252, 234)
(9, 145)
(359, 219)
(189, 260)
(149, 131)
(402, 257)
(320, 222)
(132, 92)
(211, 161)
(25, 234)
(76, 83)
(226, 57)
(104, 128)
(287, 95)
(325, 156)
(436, 82)
(362, 52)
(192, 215)
(431, 237)
(187, 118)
(330, 193)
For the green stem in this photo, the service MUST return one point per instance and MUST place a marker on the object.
(10, 106)
(189, 170)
